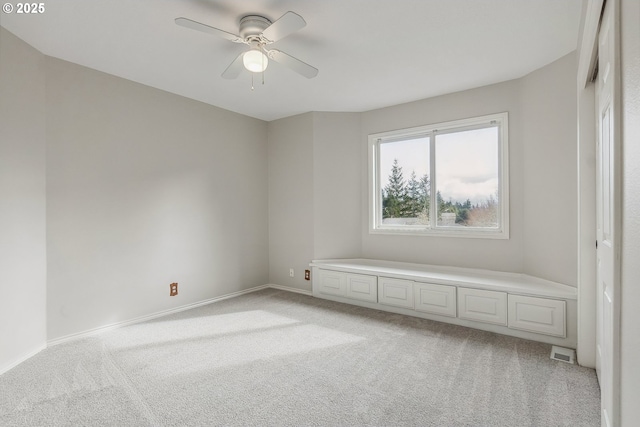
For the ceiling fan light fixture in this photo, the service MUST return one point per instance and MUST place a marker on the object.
(255, 61)
(258, 32)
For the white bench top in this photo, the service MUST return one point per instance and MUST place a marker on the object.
(482, 279)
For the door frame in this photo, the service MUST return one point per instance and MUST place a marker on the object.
(587, 61)
(587, 174)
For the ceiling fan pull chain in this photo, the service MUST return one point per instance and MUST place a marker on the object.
(252, 81)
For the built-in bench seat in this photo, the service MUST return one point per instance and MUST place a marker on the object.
(507, 303)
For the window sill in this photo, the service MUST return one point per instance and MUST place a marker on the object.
(467, 234)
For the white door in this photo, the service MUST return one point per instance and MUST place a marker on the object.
(607, 199)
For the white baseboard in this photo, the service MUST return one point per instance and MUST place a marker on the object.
(290, 289)
(94, 331)
(18, 361)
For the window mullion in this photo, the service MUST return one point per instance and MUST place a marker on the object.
(433, 209)
(378, 184)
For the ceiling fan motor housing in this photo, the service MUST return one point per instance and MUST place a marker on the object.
(253, 26)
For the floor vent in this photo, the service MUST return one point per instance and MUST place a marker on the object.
(562, 354)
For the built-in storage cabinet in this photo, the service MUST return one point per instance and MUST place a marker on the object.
(395, 292)
(436, 299)
(540, 315)
(355, 286)
(332, 282)
(500, 302)
(482, 306)
(362, 287)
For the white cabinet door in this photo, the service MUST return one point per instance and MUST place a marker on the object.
(362, 287)
(332, 282)
(483, 306)
(436, 299)
(541, 315)
(395, 292)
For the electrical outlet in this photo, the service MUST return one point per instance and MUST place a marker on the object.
(173, 289)
(291, 272)
(307, 275)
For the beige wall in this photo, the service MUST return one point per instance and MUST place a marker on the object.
(146, 188)
(22, 201)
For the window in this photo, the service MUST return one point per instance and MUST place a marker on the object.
(448, 179)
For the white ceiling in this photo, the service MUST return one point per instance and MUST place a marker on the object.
(370, 53)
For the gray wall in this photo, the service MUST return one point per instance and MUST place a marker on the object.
(542, 176)
(146, 188)
(549, 135)
(291, 234)
(630, 263)
(314, 159)
(22, 201)
(336, 185)
(504, 255)
(314, 193)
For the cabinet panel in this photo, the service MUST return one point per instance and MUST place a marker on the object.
(436, 299)
(362, 287)
(483, 306)
(396, 292)
(541, 315)
(332, 282)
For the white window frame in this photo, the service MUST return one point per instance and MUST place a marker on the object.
(375, 198)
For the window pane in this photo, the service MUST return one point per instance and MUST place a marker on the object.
(467, 178)
(404, 182)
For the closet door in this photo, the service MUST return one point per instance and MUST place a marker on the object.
(608, 185)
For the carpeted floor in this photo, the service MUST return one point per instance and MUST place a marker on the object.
(279, 358)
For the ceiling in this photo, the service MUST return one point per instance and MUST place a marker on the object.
(370, 53)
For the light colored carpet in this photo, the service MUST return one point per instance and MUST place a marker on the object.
(279, 358)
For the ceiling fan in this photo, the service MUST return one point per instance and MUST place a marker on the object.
(258, 32)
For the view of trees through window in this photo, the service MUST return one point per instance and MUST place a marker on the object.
(405, 199)
(408, 200)
(466, 185)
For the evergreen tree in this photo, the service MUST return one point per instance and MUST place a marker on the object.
(395, 194)
(440, 204)
(425, 193)
(415, 197)
(402, 199)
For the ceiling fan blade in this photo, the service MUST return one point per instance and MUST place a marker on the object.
(288, 23)
(188, 23)
(295, 64)
(234, 69)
